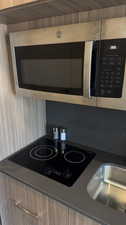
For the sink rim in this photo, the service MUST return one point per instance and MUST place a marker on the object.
(103, 189)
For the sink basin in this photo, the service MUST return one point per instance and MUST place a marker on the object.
(108, 186)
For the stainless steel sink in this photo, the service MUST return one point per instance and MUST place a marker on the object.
(108, 186)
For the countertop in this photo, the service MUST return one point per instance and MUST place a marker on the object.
(75, 197)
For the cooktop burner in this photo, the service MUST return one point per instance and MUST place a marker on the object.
(61, 163)
(74, 157)
(43, 152)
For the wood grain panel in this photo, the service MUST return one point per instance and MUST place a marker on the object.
(58, 213)
(49, 8)
(57, 97)
(82, 32)
(19, 204)
(50, 212)
(77, 219)
(22, 119)
(4, 4)
(113, 28)
(79, 17)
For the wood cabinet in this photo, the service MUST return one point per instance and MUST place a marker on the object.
(51, 8)
(4, 4)
(19, 204)
(72, 4)
(78, 219)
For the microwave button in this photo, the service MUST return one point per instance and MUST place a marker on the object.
(117, 86)
(104, 62)
(102, 91)
(110, 85)
(112, 63)
(118, 78)
(104, 59)
(118, 74)
(111, 58)
(109, 92)
(107, 73)
(101, 85)
(117, 81)
(118, 68)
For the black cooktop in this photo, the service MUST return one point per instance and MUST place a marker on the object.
(62, 162)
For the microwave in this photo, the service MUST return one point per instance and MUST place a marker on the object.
(90, 68)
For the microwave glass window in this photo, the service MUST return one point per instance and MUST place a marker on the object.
(52, 68)
(37, 72)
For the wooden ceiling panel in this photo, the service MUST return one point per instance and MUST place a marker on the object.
(50, 8)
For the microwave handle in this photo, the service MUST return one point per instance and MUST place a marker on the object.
(87, 69)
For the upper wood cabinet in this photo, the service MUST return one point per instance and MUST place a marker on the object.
(10, 14)
(71, 5)
(4, 4)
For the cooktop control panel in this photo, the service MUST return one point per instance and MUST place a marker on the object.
(61, 162)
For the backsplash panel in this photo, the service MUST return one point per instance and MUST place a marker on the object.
(99, 128)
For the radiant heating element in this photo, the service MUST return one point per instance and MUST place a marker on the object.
(49, 159)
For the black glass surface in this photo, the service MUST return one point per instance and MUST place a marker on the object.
(52, 68)
(61, 162)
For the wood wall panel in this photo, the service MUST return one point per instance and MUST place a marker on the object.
(80, 17)
(22, 119)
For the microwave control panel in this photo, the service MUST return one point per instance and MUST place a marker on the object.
(110, 68)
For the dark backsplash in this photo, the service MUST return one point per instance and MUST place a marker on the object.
(99, 128)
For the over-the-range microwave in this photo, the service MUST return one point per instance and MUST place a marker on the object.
(82, 68)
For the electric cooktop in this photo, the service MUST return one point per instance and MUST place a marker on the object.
(62, 162)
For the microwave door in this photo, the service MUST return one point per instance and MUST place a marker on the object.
(87, 69)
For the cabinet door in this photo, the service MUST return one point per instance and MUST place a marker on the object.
(13, 214)
(58, 213)
(21, 205)
(78, 219)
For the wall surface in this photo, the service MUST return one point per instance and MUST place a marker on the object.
(22, 120)
(98, 128)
